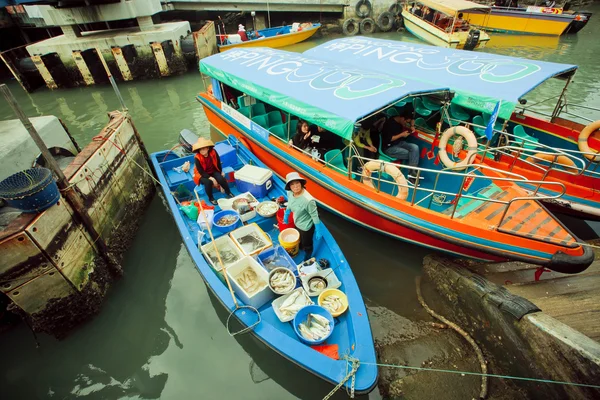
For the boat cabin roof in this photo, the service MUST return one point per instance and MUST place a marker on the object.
(479, 79)
(326, 93)
(451, 7)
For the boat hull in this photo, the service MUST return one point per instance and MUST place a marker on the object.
(521, 22)
(356, 202)
(430, 34)
(276, 41)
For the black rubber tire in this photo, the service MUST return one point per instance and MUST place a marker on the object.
(395, 8)
(385, 22)
(350, 22)
(358, 8)
(367, 26)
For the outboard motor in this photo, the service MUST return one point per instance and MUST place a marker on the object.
(472, 39)
(187, 139)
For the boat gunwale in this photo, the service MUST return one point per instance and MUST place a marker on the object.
(312, 30)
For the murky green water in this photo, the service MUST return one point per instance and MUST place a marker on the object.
(160, 334)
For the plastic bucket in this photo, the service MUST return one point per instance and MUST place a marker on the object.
(280, 223)
(289, 239)
(227, 228)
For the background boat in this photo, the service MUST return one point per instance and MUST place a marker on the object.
(278, 36)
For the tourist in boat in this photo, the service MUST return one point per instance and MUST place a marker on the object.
(302, 138)
(304, 207)
(364, 142)
(208, 170)
(416, 10)
(428, 14)
(322, 139)
(242, 33)
(394, 144)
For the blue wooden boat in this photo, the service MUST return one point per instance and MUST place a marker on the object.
(352, 332)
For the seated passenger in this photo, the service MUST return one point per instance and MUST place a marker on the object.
(418, 11)
(208, 170)
(393, 143)
(323, 140)
(363, 141)
(242, 33)
(460, 23)
(302, 138)
(428, 15)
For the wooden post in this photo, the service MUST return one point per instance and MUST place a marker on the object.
(71, 196)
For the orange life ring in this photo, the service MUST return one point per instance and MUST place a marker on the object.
(563, 161)
(472, 149)
(389, 169)
(582, 141)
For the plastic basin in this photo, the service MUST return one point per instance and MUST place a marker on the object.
(227, 228)
(302, 315)
(343, 298)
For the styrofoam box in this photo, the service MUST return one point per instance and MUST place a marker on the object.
(263, 295)
(220, 242)
(279, 301)
(243, 231)
(253, 179)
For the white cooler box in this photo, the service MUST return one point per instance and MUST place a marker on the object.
(253, 179)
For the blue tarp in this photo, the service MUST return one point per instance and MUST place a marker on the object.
(328, 94)
(480, 79)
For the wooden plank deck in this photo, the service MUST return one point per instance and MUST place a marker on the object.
(571, 299)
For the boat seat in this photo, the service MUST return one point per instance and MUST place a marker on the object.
(430, 104)
(261, 120)
(453, 121)
(279, 131)
(521, 137)
(383, 156)
(258, 109)
(421, 123)
(245, 111)
(391, 112)
(293, 126)
(486, 120)
(420, 108)
(334, 159)
(274, 118)
(457, 112)
(478, 120)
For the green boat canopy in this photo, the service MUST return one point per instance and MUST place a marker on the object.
(331, 95)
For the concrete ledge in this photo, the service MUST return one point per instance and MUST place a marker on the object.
(516, 337)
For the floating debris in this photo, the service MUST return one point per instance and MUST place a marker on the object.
(282, 281)
(249, 281)
(333, 303)
(316, 327)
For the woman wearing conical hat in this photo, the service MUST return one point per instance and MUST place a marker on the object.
(208, 170)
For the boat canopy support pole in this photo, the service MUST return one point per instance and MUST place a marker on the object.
(561, 98)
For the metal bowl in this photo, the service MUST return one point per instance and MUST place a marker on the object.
(262, 207)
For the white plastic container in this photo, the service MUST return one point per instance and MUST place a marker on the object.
(254, 229)
(224, 242)
(253, 179)
(302, 299)
(262, 295)
(328, 274)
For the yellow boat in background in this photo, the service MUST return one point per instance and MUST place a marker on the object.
(278, 36)
(531, 20)
(442, 23)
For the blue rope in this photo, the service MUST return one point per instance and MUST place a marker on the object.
(520, 378)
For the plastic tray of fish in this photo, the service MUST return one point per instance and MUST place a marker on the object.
(287, 306)
(229, 252)
(251, 239)
(316, 282)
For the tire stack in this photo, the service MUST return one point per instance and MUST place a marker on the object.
(367, 25)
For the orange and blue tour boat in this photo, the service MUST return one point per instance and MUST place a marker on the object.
(460, 207)
(537, 145)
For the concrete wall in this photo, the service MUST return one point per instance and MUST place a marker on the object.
(253, 5)
(126, 9)
(49, 265)
(517, 339)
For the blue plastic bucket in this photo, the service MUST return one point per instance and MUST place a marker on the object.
(302, 315)
(30, 191)
(227, 228)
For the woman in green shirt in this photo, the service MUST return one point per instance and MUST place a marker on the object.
(304, 207)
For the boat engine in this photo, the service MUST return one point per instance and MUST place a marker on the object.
(472, 39)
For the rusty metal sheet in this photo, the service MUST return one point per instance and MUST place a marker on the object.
(47, 227)
(33, 296)
(159, 55)
(83, 68)
(75, 259)
(46, 75)
(20, 261)
(205, 40)
(122, 63)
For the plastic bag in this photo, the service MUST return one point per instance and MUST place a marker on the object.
(191, 211)
(209, 219)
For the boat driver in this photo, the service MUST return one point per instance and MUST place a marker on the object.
(393, 142)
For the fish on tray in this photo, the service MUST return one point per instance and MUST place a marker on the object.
(293, 304)
(249, 280)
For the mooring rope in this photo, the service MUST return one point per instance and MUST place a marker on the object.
(355, 363)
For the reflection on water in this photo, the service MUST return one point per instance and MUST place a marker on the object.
(160, 334)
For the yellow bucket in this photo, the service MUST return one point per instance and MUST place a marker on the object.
(289, 239)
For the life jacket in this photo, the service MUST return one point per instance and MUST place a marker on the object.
(204, 162)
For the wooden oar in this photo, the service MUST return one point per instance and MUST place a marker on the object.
(216, 250)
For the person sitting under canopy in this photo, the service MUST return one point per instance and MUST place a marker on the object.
(394, 144)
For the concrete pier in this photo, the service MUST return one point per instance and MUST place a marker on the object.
(545, 329)
(50, 266)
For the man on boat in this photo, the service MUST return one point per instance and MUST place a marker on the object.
(322, 139)
(394, 144)
(242, 33)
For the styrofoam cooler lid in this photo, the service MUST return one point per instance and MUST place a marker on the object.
(253, 174)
